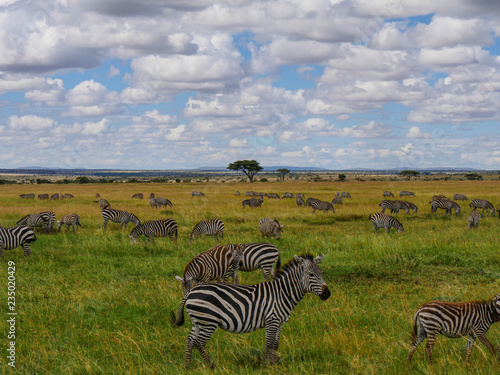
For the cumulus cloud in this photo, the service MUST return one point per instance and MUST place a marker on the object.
(416, 133)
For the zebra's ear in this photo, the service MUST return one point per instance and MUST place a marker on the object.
(298, 259)
(319, 258)
(281, 226)
(179, 278)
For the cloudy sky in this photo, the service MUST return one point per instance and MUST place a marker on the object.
(172, 84)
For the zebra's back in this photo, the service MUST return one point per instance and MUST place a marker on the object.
(21, 235)
(381, 220)
(212, 227)
(260, 255)
(155, 228)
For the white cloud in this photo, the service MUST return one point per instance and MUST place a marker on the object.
(415, 133)
(30, 123)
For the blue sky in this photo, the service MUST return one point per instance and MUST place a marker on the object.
(131, 84)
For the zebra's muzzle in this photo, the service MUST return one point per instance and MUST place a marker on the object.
(325, 293)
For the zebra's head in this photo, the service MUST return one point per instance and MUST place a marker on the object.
(496, 304)
(312, 276)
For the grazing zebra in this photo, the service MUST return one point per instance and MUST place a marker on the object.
(216, 264)
(410, 206)
(454, 320)
(288, 195)
(155, 228)
(260, 255)
(118, 216)
(152, 201)
(273, 196)
(270, 227)
(474, 219)
(163, 202)
(212, 227)
(317, 204)
(103, 203)
(45, 219)
(10, 238)
(300, 195)
(253, 202)
(27, 196)
(394, 206)
(484, 204)
(445, 204)
(460, 197)
(237, 193)
(300, 201)
(387, 194)
(197, 194)
(55, 196)
(72, 220)
(345, 194)
(406, 193)
(43, 196)
(97, 195)
(440, 196)
(247, 308)
(251, 194)
(337, 200)
(67, 196)
(381, 220)
(138, 196)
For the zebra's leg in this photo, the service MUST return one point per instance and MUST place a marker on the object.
(199, 338)
(273, 331)
(266, 271)
(105, 224)
(431, 340)
(387, 229)
(26, 248)
(487, 343)
(422, 334)
(470, 345)
(1, 250)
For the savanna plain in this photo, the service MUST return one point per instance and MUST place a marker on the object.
(90, 302)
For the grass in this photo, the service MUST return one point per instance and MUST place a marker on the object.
(92, 302)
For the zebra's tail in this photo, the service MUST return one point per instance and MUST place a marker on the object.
(414, 329)
(178, 320)
(278, 264)
(370, 217)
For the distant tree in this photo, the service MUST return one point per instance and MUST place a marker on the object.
(248, 167)
(473, 176)
(283, 172)
(409, 173)
(83, 180)
(342, 177)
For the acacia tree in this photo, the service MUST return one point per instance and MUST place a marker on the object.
(409, 173)
(248, 167)
(283, 172)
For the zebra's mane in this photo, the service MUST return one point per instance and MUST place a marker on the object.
(291, 264)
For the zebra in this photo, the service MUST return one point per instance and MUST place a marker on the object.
(300, 195)
(67, 196)
(345, 194)
(337, 200)
(72, 220)
(317, 204)
(246, 308)
(405, 193)
(138, 196)
(237, 193)
(445, 204)
(163, 202)
(300, 201)
(27, 196)
(410, 206)
(216, 264)
(43, 196)
(474, 219)
(288, 195)
(484, 204)
(118, 216)
(152, 201)
(44, 219)
(251, 194)
(460, 197)
(155, 228)
(260, 255)
(394, 206)
(381, 220)
(440, 196)
(55, 196)
(270, 227)
(197, 194)
(21, 235)
(103, 203)
(454, 320)
(97, 195)
(273, 196)
(212, 227)
(253, 202)
(387, 194)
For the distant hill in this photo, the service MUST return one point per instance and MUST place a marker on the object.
(265, 169)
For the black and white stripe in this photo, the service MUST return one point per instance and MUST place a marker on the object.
(270, 227)
(155, 228)
(260, 255)
(317, 204)
(27, 196)
(454, 320)
(460, 197)
(474, 219)
(70, 220)
(405, 193)
(138, 196)
(197, 194)
(484, 204)
(118, 216)
(394, 206)
(345, 194)
(218, 263)
(163, 202)
(43, 196)
(288, 195)
(212, 227)
(253, 202)
(381, 220)
(10, 238)
(387, 194)
(445, 204)
(45, 219)
(409, 206)
(246, 308)
(300, 201)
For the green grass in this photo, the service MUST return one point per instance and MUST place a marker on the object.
(92, 302)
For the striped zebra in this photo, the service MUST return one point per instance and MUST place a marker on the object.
(381, 220)
(410, 206)
(70, 220)
(300, 195)
(155, 228)
(454, 320)
(67, 196)
(218, 263)
(460, 197)
(212, 227)
(300, 201)
(394, 206)
(103, 203)
(55, 196)
(405, 193)
(484, 204)
(317, 204)
(10, 238)
(247, 308)
(345, 194)
(337, 200)
(445, 204)
(253, 202)
(288, 195)
(237, 193)
(27, 196)
(163, 202)
(45, 219)
(474, 219)
(152, 201)
(260, 255)
(270, 227)
(197, 194)
(118, 216)
(273, 196)
(138, 196)
(387, 194)
(43, 196)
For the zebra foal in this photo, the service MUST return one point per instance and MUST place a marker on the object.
(70, 220)
(247, 308)
(474, 219)
(10, 238)
(454, 320)
(212, 227)
(155, 228)
(381, 220)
